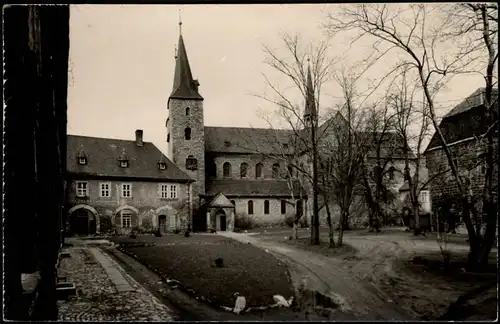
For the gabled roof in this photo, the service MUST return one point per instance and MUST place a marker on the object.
(245, 140)
(423, 177)
(466, 120)
(185, 87)
(257, 188)
(220, 201)
(103, 159)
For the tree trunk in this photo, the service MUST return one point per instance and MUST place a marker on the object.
(416, 213)
(330, 227)
(295, 231)
(341, 227)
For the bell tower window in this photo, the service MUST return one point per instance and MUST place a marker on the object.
(191, 163)
(188, 111)
(187, 133)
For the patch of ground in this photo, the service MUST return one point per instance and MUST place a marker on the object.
(303, 243)
(247, 271)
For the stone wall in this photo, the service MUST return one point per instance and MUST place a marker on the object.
(251, 159)
(145, 204)
(466, 153)
(258, 218)
(179, 148)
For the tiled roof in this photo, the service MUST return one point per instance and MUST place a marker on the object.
(103, 154)
(262, 188)
(476, 99)
(466, 120)
(423, 177)
(245, 140)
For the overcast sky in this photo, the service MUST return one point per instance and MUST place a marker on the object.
(122, 63)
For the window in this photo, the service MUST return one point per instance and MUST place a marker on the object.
(163, 190)
(299, 208)
(276, 170)
(187, 133)
(168, 138)
(162, 166)
(250, 207)
(173, 191)
(227, 143)
(285, 146)
(483, 168)
(105, 189)
(391, 173)
(212, 169)
(424, 196)
(124, 164)
(243, 170)
(258, 170)
(191, 163)
(266, 207)
(81, 189)
(233, 202)
(226, 170)
(126, 190)
(82, 160)
(126, 219)
(188, 111)
(283, 206)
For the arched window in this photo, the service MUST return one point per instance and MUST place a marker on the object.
(188, 111)
(266, 207)
(243, 169)
(258, 170)
(212, 169)
(250, 207)
(187, 133)
(233, 202)
(226, 170)
(283, 206)
(276, 170)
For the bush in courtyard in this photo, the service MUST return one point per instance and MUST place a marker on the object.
(106, 226)
(147, 224)
(243, 222)
(289, 220)
(303, 222)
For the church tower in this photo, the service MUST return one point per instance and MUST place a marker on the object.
(185, 125)
(310, 111)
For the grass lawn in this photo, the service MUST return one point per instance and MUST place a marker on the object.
(247, 270)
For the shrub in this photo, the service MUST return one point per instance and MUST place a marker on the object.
(303, 222)
(106, 226)
(147, 224)
(158, 233)
(289, 220)
(243, 222)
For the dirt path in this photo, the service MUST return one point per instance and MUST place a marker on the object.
(329, 277)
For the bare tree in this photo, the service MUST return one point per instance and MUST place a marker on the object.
(295, 66)
(379, 148)
(407, 30)
(339, 154)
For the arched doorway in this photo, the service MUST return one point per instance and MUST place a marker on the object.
(82, 222)
(221, 220)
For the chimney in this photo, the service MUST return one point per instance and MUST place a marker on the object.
(138, 137)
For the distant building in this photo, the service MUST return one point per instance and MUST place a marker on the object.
(463, 129)
(118, 185)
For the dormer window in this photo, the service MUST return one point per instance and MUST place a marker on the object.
(123, 158)
(81, 157)
(162, 164)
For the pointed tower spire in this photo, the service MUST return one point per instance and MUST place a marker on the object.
(310, 109)
(185, 87)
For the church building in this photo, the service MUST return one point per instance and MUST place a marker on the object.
(238, 178)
